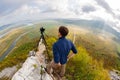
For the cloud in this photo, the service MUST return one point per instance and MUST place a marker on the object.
(48, 10)
(88, 8)
(7, 6)
(17, 10)
(15, 1)
(113, 19)
(105, 5)
(25, 12)
(58, 8)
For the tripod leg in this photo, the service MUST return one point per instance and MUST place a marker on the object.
(46, 47)
(44, 41)
(39, 42)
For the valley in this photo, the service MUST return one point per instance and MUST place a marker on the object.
(98, 52)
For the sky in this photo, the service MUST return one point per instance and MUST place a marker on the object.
(20, 10)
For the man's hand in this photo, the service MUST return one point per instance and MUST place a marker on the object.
(57, 64)
(67, 59)
(70, 56)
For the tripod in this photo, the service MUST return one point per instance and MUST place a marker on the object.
(42, 40)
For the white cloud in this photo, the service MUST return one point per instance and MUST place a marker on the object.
(81, 9)
(26, 10)
(114, 4)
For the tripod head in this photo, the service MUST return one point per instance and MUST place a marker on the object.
(42, 38)
(42, 30)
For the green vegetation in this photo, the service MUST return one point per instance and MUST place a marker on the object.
(104, 51)
(25, 44)
(83, 67)
(7, 40)
(93, 61)
(18, 55)
(50, 41)
(5, 78)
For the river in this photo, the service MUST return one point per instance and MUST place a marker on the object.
(11, 46)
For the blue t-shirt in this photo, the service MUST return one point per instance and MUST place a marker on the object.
(61, 49)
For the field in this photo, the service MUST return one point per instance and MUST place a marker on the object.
(25, 44)
(96, 54)
(6, 41)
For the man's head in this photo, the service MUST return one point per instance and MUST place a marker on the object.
(63, 31)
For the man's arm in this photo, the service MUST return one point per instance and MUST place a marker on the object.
(74, 51)
(70, 55)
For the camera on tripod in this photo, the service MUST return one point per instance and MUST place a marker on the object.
(42, 40)
(42, 30)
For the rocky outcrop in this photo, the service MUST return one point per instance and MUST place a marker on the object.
(33, 67)
(115, 75)
(8, 72)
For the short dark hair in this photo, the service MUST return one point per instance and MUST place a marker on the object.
(63, 31)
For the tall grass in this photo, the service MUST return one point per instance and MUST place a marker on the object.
(18, 55)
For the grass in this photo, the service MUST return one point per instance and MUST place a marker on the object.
(5, 78)
(18, 55)
(7, 40)
(83, 67)
(25, 44)
(95, 57)
(100, 50)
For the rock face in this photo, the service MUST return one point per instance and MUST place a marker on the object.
(114, 75)
(8, 72)
(33, 67)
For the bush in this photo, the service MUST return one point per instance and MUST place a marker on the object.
(83, 67)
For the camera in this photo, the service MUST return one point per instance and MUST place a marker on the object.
(42, 29)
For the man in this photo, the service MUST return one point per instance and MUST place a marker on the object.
(61, 50)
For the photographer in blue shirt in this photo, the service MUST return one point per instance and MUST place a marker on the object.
(61, 50)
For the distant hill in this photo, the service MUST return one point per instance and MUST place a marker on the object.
(4, 26)
(93, 25)
(15, 24)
